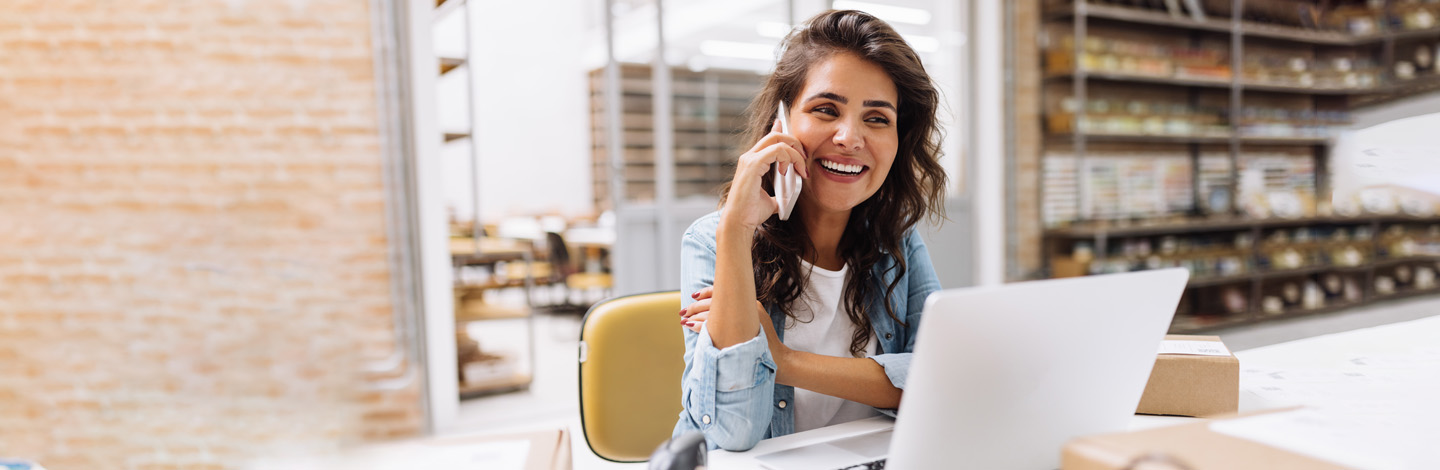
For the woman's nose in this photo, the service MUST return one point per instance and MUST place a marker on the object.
(848, 137)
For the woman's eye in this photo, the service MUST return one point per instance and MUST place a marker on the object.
(879, 120)
(826, 110)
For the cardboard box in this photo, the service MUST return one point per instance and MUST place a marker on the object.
(1187, 446)
(1192, 385)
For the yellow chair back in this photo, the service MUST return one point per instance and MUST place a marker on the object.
(631, 357)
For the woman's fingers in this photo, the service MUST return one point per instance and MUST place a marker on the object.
(694, 322)
(698, 306)
(785, 155)
(766, 152)
(703, 293)
(695, 316)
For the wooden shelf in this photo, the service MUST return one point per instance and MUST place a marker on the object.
(1405, 293)
(1264, 140)
(1195, 225)
(1207, 281)
(444, 8)
(1412, 33)
(1140, 138)
(1210, 83)
(1404, 259)
(1254, 86)
(1398, 90)
(1360, 268)
(1138, 78)
(1247, 28)
(480, 389)
(1182, 324)
(1191, 139)
(492, 284)
(1283, 273)
(487, 312)
(1135, 15)
(686, 163)
(450, 63)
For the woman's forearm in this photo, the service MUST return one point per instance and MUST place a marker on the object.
(860, 380)
(732, 318)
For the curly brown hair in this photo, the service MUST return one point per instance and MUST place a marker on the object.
(913, 189)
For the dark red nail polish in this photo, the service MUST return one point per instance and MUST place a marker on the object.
(689, 324)
(697, 294)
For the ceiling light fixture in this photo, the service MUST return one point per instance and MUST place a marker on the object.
(739, 50)
(922, 43)
(772, 29)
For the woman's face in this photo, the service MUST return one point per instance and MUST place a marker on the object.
(845, 117)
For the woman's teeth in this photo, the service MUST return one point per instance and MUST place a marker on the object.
(841, 168)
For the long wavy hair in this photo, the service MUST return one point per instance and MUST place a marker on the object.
(913, 190)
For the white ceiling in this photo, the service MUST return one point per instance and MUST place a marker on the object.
(689, 23)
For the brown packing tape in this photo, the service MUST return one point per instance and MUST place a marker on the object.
(1190, 385)
(1188, 446)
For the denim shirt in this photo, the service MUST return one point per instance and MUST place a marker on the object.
(730, 395)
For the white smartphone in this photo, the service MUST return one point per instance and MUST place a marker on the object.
(787, 186)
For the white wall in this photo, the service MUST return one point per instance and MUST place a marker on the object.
(989, 134)
(532, 111)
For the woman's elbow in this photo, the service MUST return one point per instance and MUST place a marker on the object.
(737, 438)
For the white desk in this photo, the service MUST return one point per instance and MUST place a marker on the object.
(723, 460)
(1320, 352)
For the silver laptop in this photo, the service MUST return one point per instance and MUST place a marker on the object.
(1003, 376)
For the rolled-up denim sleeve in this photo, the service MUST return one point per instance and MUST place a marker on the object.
(922, 281)
(726, 392)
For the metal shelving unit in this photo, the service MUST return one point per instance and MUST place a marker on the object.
(706, 107)
(1079, 14)
(1101, 235)
(476, 252)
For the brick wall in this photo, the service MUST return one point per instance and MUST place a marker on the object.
(192, 245)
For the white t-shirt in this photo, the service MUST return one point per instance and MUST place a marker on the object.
(827, 332)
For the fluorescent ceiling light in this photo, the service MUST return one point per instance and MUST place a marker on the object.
(772, 29)
(739, 50)
(922, 43)
(889, 13)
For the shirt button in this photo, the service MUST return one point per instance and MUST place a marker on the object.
(705, 419)
(887, 335)
(782, 404)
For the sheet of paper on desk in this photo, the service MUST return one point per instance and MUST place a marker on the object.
(1194, 348)
(1372, 411)
(1346, 439)
(498, 455)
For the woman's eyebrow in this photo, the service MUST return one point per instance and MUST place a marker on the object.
(829, 96)
(843, 100)
(879, 104)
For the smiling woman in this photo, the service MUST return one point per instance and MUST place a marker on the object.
(798, 324)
